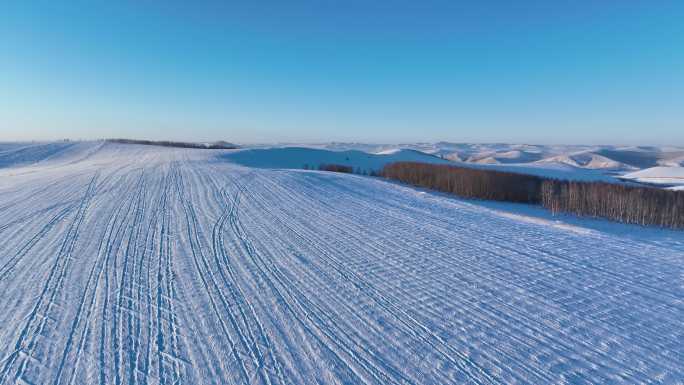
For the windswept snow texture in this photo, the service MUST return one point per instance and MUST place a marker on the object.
(151, 265)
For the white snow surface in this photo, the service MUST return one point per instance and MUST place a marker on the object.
(126, 264)
(589, 160)
(673, 176)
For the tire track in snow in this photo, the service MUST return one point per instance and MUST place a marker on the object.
(165, 294)
(380, 371)
(171, 296)
(114, 245)
(146, 282)
(411, 326)
(131, 247)
(87, 301)
(495, 277)
(492, 277)
(8, 266)
(492, 313)
(27, 338)
(206, 276)
(255, 334)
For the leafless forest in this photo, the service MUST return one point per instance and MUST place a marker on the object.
(617, 202)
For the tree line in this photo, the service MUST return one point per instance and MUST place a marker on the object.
(622, 203)
(617, 202)
(336, 168)
(467, 182)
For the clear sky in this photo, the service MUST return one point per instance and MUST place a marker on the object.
(564, 71)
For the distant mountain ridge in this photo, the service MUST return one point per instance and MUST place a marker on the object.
(574, 162)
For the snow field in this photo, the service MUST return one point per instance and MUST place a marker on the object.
(148, 265)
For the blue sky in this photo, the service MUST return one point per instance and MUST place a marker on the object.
(380, 71)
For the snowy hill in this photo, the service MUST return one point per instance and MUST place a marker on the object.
(17, 154)
(668, 176)
(588, 160)
(573, 162)
(511, 156)
(311, 158)
(589, 156)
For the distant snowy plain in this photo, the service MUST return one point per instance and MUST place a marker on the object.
(128, 264)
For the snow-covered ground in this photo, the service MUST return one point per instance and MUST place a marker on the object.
(126, 264)
(665, 176)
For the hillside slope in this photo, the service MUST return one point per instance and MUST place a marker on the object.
(666, 176)
(150, 265)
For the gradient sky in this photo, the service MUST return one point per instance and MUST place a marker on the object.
(376, 70)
